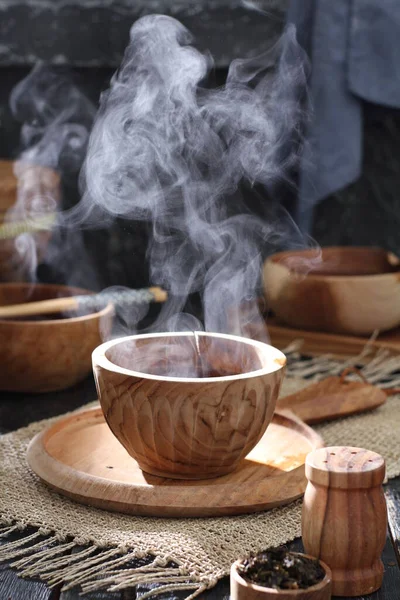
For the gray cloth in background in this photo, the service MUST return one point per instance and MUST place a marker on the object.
(354, 49)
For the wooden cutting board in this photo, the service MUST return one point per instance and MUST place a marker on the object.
(79, 457)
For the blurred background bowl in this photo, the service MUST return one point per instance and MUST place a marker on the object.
(185, 426)
(28, 205)
(352, 290)
(46, 354)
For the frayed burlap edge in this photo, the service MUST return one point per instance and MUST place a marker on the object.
(78, 545)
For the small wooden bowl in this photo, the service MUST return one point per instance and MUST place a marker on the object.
(178, 425)
(33, 197)
(47, 355)
(351, 290)
(244, 590)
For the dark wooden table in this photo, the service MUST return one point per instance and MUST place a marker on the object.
(17, 410)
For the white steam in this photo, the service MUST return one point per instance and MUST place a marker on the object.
(56, 120)
(168, 150)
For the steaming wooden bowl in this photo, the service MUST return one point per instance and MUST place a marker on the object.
(245, 590)
(47, 354)
(177, 425)
(40, 189)
(353, 290)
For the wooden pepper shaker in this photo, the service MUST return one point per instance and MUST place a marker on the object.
(344, 517)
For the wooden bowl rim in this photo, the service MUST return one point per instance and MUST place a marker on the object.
(99, 358)
(107, 310)
(272, 259)
(272, 591)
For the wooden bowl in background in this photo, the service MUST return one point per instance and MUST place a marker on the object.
(27, 204)
(352, 290)
(244, 590)
(186, 426)
(48, 354)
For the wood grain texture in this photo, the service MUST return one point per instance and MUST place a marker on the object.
(344, 517)
(47, 355)
(76, 594)
(13, 587)
(391, 580)
(189, 427)
(17, 410)
(339, 346)
(340, 290)
(392, 494)
(332, 398)
(79, 457)
(243, 590)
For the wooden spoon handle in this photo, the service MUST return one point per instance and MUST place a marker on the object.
(332, 398)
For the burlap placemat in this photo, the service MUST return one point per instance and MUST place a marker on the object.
(201, 550)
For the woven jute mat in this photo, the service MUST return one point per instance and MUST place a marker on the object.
(179, 554)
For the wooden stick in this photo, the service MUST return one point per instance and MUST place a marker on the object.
(92, 302)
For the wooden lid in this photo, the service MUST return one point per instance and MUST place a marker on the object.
(345, 467)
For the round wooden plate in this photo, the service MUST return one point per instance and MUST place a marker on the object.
(80, 458)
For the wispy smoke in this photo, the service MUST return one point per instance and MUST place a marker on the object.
(168, 150)
(270, 8)
(56, 121)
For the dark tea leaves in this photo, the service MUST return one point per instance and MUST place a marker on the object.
(281, 570)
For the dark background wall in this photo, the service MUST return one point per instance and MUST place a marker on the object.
(94, 33)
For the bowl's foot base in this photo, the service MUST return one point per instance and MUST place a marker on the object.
(193, 476)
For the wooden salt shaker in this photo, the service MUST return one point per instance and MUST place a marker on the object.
(344, 517)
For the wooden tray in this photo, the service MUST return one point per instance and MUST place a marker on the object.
(80, 458)
(341, 346)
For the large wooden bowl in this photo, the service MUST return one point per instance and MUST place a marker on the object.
(27, 205)
(351, 290)
(176, 424)
(47, 355)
